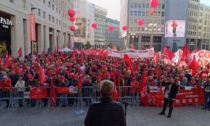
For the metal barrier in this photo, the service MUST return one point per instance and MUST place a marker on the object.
(87, 95)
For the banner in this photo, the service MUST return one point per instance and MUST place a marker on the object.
(38, 93)
(32, 27)
(202, 57)
(64, 90)
(188, 96)
(148, 53)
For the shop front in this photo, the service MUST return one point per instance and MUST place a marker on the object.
(5, 33)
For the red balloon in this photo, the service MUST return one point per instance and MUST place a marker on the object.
(72, 19)
(94, 25)
(124, 28)
(72, 28)
(71, 12)
(140, 22)
(111, 28)
(154, 3)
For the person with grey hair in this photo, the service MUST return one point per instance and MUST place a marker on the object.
(106, 112)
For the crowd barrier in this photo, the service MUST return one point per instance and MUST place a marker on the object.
(87, 95)
(90, 94)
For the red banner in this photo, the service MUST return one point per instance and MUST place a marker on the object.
(38, 93)
(32, 27)
(63, 90)
(184, 97)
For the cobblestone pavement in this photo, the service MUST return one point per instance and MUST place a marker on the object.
(137, 116)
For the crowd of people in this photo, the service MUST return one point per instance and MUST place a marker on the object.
(72, 69)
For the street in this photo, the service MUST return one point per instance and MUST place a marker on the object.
(137, 116)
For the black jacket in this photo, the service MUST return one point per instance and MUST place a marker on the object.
(105, 113)
(173, 91)
(207, 86)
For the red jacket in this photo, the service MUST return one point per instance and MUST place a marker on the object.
(5, 85)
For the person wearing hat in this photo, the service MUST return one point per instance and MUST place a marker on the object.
(207, 94)
(170, 92)
(106, 112)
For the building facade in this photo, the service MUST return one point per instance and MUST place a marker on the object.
(99, 33)
(204, 28)
(51, 24)
(84, 18)
(151, 33)
(113, 37)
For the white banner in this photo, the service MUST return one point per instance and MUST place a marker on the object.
(148, 53)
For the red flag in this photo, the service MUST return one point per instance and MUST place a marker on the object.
(128, 60)
(20, 52)
(167, 53)
(43, 55)
(193, 66)
(80, 82)
(52, 93)
(15, 68)
(143, 88)
(42, 76)
(156, 57)
(186, 56)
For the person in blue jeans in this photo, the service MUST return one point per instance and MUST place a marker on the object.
(207, 94)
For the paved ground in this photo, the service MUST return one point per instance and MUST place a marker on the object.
(138, 116)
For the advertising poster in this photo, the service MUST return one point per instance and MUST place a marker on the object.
(175, 28)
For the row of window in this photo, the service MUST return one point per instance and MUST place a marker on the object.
(144, 5)
(146, 29)
(146, 13)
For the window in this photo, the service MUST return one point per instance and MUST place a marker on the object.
(143, 13)
(131, 5)
(139, 5)
(135, 13)
(53, 7)
(163, 14)
(43, 14)
(163, 6)
(11, 1)
(49, 4)
(148, 6)
(57, 21)
(56, 9)
(131, 13)
(135, 5)
(52, 19)
(43, 1)
(24, 4)
(143, 5)
(39, 12)
(139, 13)
(49, 17)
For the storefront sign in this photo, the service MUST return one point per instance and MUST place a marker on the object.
(32, 27)
(5, 22)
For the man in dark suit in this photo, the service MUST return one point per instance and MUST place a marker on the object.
(106, 112)
(170, 92)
